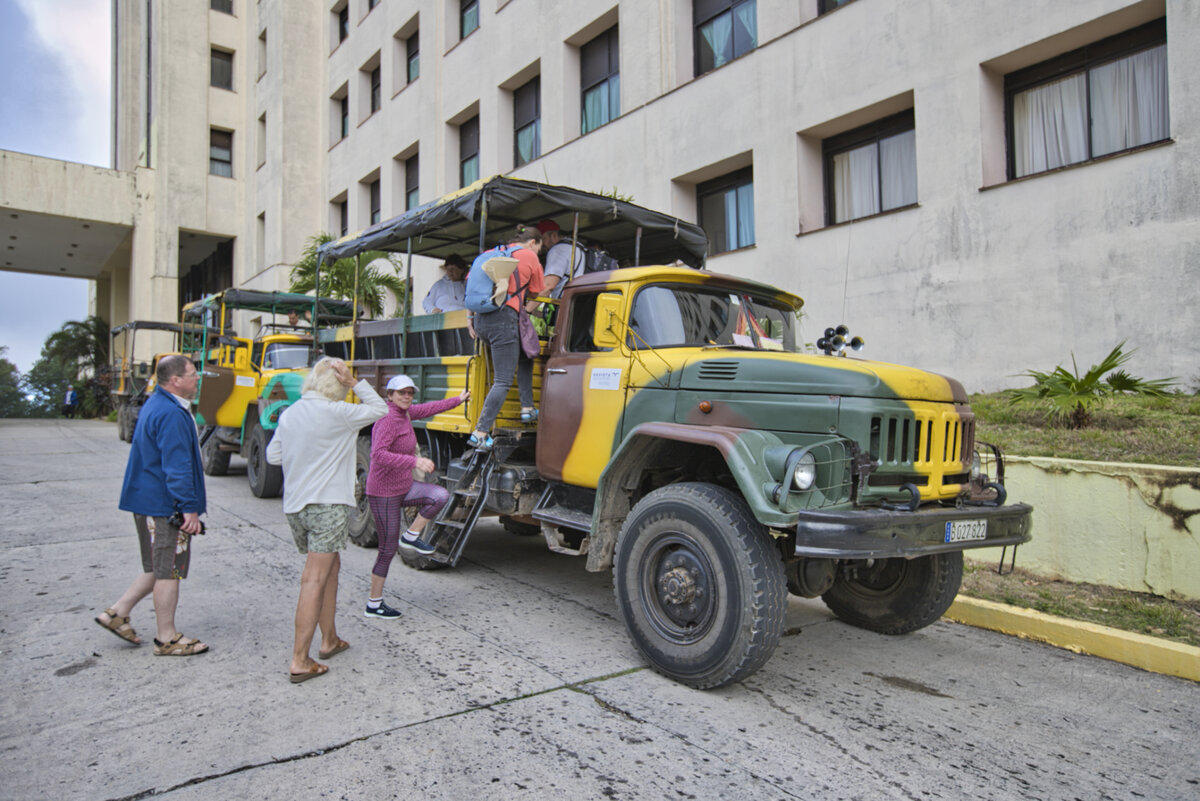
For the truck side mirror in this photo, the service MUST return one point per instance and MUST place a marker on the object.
(241, 359)
(607, 326)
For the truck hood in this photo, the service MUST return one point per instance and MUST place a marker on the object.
(807, 374)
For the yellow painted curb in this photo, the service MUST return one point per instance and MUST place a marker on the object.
(1148, 653)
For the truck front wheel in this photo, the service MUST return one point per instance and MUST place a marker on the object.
(896, 596)
(266, 480)
(698, 585)
(216, 461)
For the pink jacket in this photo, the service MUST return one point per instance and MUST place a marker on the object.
(394, 447)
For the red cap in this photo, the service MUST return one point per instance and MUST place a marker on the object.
(547, 225)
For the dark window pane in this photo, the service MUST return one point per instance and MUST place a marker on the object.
(411, 181)
(345, 103)
(726, 207)
(376, 90)
(221, 69)
(469, 173)
(220, 153)
(414, 57)
(468, 151)
(221, 5)
(344, 217)
(600, 80)
(343, 23)
(375, 210)
(871, 169)
(469, 19)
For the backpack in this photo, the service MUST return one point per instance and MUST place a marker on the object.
(487, 284)
(594, 259)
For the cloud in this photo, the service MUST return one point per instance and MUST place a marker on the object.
(75, 33)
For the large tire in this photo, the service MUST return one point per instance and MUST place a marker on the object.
(266, 480)
(362, 522)
(698, 585)
(896, 596)
(216, 461)
(123, 423)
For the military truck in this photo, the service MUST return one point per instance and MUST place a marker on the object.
(134, 360)
(689, 442)
(249, 381)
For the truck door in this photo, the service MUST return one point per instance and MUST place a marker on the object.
(583, 398)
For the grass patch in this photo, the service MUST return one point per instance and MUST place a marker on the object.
(1143, 430)
(1138, 612)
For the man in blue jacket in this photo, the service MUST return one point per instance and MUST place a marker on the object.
(164, 476)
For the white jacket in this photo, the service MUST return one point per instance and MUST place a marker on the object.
(315, 442)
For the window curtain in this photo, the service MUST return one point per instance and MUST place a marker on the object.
(856, 183)
(595, 107)
(1050, 126)
(528, 143)
(898, 170)
(470, 171)
(1129, 102)
(745, 218)
(718, 35)
(747, 26)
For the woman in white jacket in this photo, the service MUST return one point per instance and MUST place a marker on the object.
(315, 442)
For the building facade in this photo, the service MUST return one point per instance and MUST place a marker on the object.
(975, 188)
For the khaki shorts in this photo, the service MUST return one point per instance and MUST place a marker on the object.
(320, 527)
(167, 552)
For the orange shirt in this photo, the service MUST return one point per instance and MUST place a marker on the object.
(529, 270)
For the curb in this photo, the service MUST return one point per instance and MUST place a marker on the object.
(1148, 653)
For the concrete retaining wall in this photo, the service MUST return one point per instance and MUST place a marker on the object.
(1130, 526)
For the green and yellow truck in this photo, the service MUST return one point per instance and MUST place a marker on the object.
(690, 442)
(247, 382)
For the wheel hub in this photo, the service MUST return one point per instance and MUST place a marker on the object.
(677, 586)
(682, 587)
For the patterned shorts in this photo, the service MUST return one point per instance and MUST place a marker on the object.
(166, 551)
(320, 527)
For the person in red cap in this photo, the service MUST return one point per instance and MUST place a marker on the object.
(558, 258)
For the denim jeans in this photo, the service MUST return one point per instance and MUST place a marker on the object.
(499, 330)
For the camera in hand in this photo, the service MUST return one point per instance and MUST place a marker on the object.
(176, 520)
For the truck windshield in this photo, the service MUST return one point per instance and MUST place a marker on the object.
(697, 316)
(285, 356)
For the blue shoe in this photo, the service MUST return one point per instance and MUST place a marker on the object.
(419, 545)
(529, 416)
(484, 445)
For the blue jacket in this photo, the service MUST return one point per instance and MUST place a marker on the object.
(164, 473)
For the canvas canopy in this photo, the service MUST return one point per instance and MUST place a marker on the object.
(452, 225)
(327, 310)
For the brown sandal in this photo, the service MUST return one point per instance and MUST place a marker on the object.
(119, 626)
(179, 646)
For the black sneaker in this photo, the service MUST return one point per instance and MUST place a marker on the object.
(419, 545)
(384, 612)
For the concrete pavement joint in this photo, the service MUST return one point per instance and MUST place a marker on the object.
(571, 686)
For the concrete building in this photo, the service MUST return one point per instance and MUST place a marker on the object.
(976, 188)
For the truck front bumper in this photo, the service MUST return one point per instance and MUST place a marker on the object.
(882, 534)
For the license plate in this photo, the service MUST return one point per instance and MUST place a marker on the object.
(966, 530)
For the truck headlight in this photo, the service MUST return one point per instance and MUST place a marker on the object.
(805, 473)
(976, 467)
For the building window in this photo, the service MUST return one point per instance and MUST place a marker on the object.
(225, 6)
(468, 152)
(344, 111)
(412, 182)
(527, 123)
(220, 153)
(825, 6)
(376, 90)
(344, 217)
(601, 80)
(262, 140)
(412, 48)
(371, 5)
(724, 30)
(262, 53)
(343, 22)
(726, 207)
(468, 18)
(1101, 99)
(220, 69)
(376, 210)
(871, 169)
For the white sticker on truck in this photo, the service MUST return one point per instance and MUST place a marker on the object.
(605, 378)
(245, 380)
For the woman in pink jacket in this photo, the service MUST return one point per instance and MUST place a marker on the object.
(391, 487)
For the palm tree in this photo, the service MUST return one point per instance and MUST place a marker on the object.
(337, 279)
(82, 342)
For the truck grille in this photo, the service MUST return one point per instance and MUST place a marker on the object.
(927, 441)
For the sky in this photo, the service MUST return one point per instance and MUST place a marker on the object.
(55, 95)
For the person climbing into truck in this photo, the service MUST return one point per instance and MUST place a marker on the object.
(391, 486)
(498, 327)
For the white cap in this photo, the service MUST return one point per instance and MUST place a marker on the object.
(401, 382)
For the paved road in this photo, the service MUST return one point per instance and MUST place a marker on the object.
(508, 677)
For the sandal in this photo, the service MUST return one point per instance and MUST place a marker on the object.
(119, 626)
(342, 645)
(318, 670)
(179, 646)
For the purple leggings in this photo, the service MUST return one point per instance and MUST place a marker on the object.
(389, 518)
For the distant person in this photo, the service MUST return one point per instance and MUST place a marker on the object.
(315, 442)
(295, 319)
(558, 259)
(164, 480)
(70, 403)
(391, 486)
(447, 292)
(499, 329)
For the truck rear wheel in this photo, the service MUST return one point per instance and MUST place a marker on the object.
(266, 480)
(362, 523)
(698, 585)
(123, 423)
(896, 596)
(216, 461)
